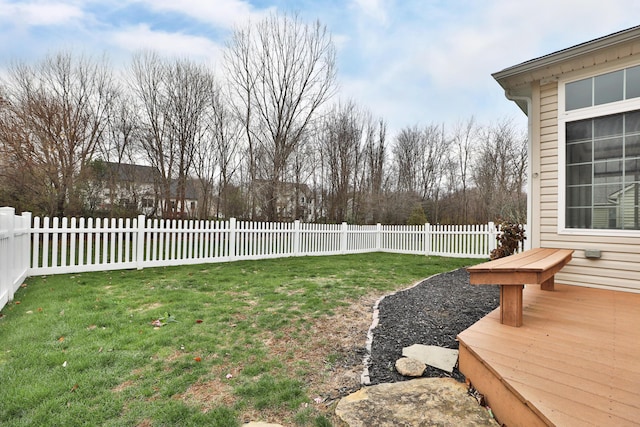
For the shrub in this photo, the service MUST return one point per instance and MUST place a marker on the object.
(509, 237)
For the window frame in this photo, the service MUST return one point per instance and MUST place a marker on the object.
(591, 112)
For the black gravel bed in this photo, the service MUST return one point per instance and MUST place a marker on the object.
(433, 312)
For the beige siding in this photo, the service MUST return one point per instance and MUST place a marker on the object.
(619, 265)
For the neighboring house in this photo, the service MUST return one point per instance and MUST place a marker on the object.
(190, 209)
(136, 188)
(583, 105)
(293, 201)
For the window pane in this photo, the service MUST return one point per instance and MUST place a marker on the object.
(607, 172)
(632, 146)
(580, 130)
(608, 87)
(608, 126)
(578, 94)
(579, 196)
(607, 149)
(578, 218)
(632, 122)
(579, 153)
(607, 195)
(633, 82)
(605, 217)
(580, 174)
(632, 169)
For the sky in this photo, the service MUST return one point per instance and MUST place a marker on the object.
(410, 62)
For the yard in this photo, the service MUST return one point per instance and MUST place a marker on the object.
(214, 344)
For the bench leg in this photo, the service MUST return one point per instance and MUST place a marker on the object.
(547, 285)
(511, 305)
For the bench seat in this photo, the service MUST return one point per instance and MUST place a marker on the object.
(535, 266)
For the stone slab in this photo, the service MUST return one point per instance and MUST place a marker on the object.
(438, 357)
(419, 402)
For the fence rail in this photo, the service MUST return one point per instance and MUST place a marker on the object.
(63, 245)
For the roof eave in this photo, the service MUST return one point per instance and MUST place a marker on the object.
(566, 54)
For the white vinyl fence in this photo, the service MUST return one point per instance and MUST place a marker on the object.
(63, 245)
(14, 252)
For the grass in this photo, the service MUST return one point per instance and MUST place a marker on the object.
(240, 340)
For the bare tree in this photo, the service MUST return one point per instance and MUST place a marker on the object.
(464, 140)
(499, 175)
(216, 156)
(173, 100)
(376, 159)
(54, 115)
(341, 149)
(282, 71)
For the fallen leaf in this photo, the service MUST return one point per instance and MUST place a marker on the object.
(60, 339)
(24, 285)
(39, 309)
(17, 302)
(74, 388)
(197, 359)
(64, 365)
(199, 321)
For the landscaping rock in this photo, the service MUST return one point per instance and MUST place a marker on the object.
(438, 357)
(410, 367)
(418, 402)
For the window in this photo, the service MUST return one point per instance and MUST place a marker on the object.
(600, 126)
(603, 89)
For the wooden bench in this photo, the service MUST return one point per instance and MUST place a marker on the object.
(535, 266)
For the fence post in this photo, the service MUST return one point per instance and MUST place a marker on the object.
(7, 222)
(491, 235)
(26, 249)
(232, 238)
(343, 238)
(427, 236)
(139, 242)
(296, 237)
(378, 237)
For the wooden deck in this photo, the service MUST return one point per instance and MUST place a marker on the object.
(575, 361)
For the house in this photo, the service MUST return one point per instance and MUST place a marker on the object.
(583, 107)
(574, 361)
(138, 189)
(125, 186)
(292, 201)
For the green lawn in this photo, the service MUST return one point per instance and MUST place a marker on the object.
(239, 340)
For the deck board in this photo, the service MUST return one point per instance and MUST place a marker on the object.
(575, 360)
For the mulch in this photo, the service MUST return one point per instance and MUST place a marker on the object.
(433, 312)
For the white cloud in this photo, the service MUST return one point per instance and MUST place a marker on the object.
(39, 13)
(172, 44)
(373, 9)
(219, 13)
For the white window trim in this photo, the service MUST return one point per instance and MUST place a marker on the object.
(580, 114)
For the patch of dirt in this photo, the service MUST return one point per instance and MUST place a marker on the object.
(207, 395)
(122, 386)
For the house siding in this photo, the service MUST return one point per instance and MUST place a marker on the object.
(618, 266)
